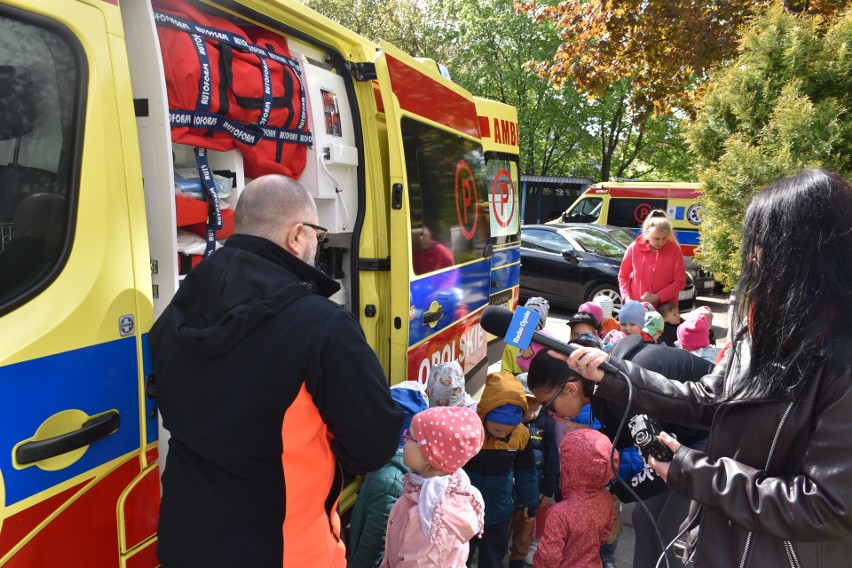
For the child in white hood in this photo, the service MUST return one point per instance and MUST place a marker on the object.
(439, 510)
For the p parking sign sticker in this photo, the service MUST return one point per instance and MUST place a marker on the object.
(522, 327)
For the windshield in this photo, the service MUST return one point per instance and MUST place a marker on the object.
(595, 242)
(621, 236)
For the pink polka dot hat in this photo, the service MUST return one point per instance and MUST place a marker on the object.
(448, 436)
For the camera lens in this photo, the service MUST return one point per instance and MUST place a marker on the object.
(642, 438)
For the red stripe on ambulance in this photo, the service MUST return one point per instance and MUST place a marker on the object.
(465, 342)
(423, 96)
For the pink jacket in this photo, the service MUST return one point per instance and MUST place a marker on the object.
(455, 517)
(577, 526)
(644, 269)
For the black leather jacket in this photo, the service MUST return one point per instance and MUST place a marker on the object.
(774, 487)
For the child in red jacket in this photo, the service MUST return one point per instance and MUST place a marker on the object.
(578, 525)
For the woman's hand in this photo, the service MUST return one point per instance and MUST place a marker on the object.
(662, 468)
(586, 360)
(650, 298)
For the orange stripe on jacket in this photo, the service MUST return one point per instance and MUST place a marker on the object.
(309, 467)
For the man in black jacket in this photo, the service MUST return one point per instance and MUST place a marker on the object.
(269, 391)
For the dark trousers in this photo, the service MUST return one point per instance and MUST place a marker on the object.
(492, 546)
(668, 510)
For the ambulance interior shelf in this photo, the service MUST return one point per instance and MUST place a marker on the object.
(191, 211)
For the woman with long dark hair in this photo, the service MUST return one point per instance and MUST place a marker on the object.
(774, 487)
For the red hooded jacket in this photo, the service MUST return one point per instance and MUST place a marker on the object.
(644, 269)
(578, 525)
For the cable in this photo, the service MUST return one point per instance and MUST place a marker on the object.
(626, 485)
(337, 191)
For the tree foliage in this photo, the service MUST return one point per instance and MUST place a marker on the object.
(665, 47)
(485, 49)
(485, 45)
(407, 24)
(781, 105)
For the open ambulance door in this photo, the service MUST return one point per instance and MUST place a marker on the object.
(78, 476)
(438, 218)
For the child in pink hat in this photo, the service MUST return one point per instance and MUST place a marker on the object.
(693, 334)
(439, 510)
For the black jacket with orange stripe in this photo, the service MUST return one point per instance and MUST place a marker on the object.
(268, 389)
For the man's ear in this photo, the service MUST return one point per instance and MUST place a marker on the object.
(291, 238)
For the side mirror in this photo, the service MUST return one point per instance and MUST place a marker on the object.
(570, 255)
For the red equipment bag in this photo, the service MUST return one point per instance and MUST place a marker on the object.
(227, 92)
(285, 147)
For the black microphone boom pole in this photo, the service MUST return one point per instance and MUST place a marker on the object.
(496, 320)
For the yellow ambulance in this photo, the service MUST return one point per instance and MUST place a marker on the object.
(626, 204)
(119, 174)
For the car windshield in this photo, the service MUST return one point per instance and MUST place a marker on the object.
(621, 236)
(595, 242)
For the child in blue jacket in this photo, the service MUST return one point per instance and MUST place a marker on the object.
(505, 466)
(543, 441)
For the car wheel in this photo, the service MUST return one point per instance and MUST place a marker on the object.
(607, 290)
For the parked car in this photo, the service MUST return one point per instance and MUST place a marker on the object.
(571, 263)
(703, 279)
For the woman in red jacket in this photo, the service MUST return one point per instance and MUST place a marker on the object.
(652, 269)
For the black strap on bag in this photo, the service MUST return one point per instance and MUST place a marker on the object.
(214, 213)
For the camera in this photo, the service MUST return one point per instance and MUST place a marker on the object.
(644, 431)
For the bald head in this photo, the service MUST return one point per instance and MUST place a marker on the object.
(277, 208)
(271, 203)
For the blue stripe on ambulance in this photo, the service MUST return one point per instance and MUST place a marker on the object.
(506, 269)
(92, 379)
(506, 256)
(687, 237)
(151, 433)
(466, 286)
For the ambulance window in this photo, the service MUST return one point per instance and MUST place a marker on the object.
(447, 198)
(502, 183)
(39, 109)
(586, 211)
(631, 212)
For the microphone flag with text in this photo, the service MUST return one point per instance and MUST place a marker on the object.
(519, 329)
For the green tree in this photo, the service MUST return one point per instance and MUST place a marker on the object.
(407, 24)
(563, 132)
(781, 105)
(485, 44)
(664, 47)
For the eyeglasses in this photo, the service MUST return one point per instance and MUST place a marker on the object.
(549, 404)
(322, 232)
(406, 436)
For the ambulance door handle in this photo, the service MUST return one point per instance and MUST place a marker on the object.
(92, 430)
(433, 314)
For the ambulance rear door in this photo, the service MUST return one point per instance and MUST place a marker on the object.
(78, 476)
(440, 236)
